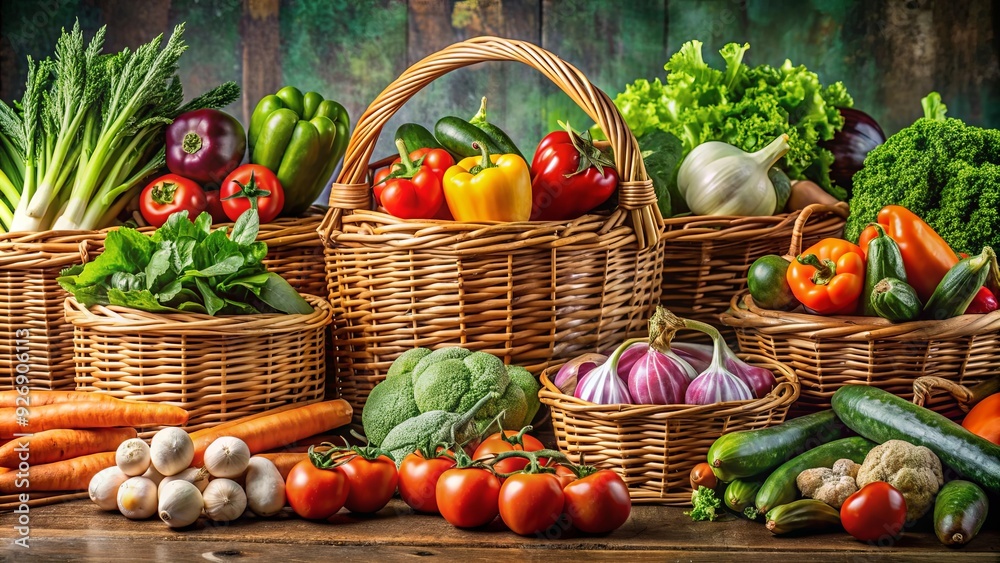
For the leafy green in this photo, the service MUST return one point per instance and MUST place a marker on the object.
(661, 153)
(741, 105)
(945, 171)
(185, 267)
(705, 505)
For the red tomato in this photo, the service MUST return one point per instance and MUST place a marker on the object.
(169, 194)
(418, 478)
(214, 207)
(531, 503)
(314, 493)
(565, 475)
(496, 445)
(237, 190)
(598, 503)
(469, 497)
(372, 483)
(876, 512)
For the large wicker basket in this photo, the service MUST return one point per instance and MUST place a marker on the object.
(217, 368)
(529, 292)
(707, 258)
(654, 447)
(830, 352)
(32, 302)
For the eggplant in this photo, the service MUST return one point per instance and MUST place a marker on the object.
(860, 134)
(205, 145)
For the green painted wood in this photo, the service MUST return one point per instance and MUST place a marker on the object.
(212, 32)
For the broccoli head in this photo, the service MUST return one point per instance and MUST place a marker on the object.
(943, 170)
(454, 385)
(530, 386)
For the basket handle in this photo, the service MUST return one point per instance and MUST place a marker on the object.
(967, 397)
(840, 209)
(635, 190)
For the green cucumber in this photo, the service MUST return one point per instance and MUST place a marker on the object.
(884, 261)
(746, 453)
(782, 188)
(457, 135)
(416, 136)
(881, 416)
(895, 300)
(768, 284)
(959, 512)
(780, 488)
(960, 285)
(502, 140)
(806, 515)
(740, 494)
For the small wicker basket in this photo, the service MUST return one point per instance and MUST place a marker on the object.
(949, 398)
(654, 447)
(217, 368)
(830, 352)
(528, 292)
(31, 302)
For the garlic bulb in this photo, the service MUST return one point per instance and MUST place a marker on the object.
(153, 475)
(104, 487)
(171, 451)
(719, 179)
(197, 477)
(227, 457)
(137, 498)
(180, 504)
(265, 487)
(224, 500)
(132, 457)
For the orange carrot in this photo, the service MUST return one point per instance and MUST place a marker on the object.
(4, 470)
(241, 420)
(102, 414)
(68, 475)
(57, 445)
(285, 461)
(275, 430)
(38, 397)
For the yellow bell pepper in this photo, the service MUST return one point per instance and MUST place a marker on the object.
(489, 188)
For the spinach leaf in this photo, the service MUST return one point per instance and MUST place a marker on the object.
(137, 299)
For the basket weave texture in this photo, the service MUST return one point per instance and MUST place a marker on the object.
(949, 398)
(217, 368)
(707, 258)
(654, 447)
(528, 292)
(32, 301)
(828, 352)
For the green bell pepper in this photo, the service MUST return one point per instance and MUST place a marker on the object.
(301, 138)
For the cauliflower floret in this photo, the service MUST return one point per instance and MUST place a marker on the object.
(831, 486)
(914, 470)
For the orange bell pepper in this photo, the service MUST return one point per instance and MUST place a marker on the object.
(828, 277)
(984, 419)
(926, 256)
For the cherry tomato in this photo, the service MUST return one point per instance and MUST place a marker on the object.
(372, 483)
(314, 493)
(703, 476)
(496, 445)
(418, 478)
(169, 194)
(598, 503)
(531, 503)
(469, 497)
(876, 512)
(237, 190)
(214, 207)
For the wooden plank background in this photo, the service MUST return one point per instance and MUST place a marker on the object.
(889, 53)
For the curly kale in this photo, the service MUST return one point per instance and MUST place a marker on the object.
(705, 505)
(943, 170)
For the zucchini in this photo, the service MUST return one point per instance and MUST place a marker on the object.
(960, 285)
(895, 300)
(741, 493)
(802, 515)
(782, 188)
(881, 416)
(746, 453)
(502, 140)
(416, 136)
(780, 488)
(884, 261)
(768, 284)
(457, 135)
(959, 512)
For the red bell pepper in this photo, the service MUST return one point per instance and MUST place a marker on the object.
(984, 302)
(569, 176)
(411, 187)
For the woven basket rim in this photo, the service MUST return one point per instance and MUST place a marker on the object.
(726, 228)
(115, 320)
(744, 313)
(784, 394)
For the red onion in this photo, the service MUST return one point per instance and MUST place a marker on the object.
(630, 356)
(603, 385)
(660, 377)
(698, 355)
(567, 377)
(716, 384)
(760, 380)
(860, 134)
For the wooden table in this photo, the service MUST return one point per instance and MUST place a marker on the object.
(78, 530)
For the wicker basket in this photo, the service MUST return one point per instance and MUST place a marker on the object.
(529, 292)
(217, 368)
(32, 301)
(830, 352)
(707, 258)
(654, 447)
(950, 398)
